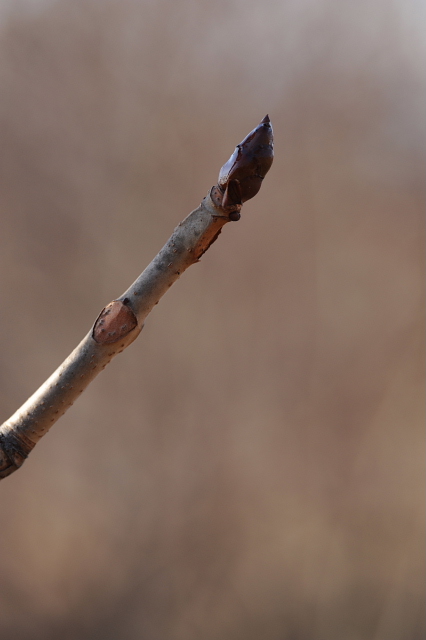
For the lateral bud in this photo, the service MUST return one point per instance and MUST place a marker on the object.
(114, 322)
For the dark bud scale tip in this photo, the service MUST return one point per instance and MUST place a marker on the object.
(241, 177)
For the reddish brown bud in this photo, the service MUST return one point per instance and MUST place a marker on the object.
(114, 322)
(241, 177)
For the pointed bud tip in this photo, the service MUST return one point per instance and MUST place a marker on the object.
(265, 120)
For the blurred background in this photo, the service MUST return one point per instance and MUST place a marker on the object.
(252, 467)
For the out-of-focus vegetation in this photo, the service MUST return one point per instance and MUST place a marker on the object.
(252, 466)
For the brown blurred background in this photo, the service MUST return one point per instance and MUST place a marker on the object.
(252, 467)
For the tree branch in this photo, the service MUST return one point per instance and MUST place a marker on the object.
(121, 321)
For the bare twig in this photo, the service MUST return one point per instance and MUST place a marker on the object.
(122, 320)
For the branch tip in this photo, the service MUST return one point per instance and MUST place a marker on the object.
(120, 322)
(241, 177)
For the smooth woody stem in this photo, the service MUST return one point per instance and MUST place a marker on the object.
(116, 327)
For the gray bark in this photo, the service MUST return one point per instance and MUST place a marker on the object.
(116, 327)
